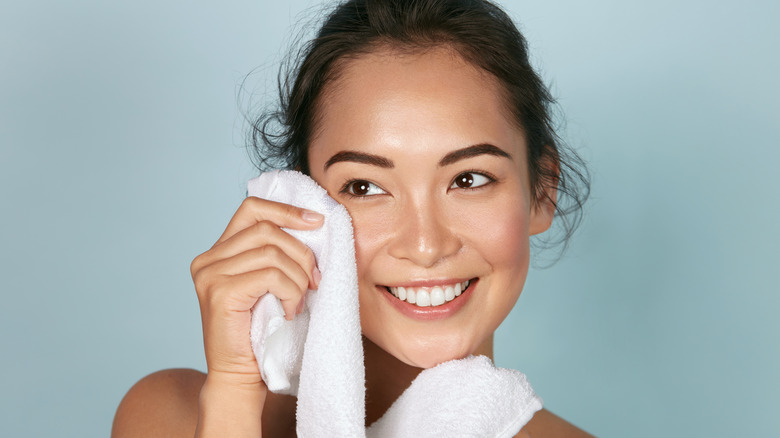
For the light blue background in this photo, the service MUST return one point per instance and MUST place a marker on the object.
(121, 159)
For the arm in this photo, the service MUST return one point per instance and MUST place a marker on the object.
(230, 408)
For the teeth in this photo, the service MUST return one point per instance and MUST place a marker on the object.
(425, 297)
(437, 296)
(449, 293)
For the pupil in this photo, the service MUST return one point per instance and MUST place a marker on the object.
(465, 181)
(360, 188)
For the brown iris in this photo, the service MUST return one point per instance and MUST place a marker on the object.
(359, 188)
(464, 180)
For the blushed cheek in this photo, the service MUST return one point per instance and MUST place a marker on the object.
(515, 237)
(501, 236)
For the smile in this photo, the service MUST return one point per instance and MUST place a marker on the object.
(429, 296)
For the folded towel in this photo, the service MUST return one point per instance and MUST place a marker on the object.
(319, 355)
(461, 398)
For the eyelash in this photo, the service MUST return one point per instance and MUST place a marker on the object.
(345, 189)
(491, 179)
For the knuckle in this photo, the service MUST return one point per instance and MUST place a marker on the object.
(274, 275)
(265, 227)
(277, 277)
(251, 202)
(271, 252)
(303, 283)
(197, 278)
(196, 265)
(204, 281)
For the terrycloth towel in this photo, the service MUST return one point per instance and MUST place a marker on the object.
(319, 355)
(461, 398)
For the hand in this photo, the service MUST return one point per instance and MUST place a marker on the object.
(251, 258)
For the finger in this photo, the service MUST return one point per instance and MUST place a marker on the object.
(241, 292)
(257, 259)
(260, 235)
(254, 210)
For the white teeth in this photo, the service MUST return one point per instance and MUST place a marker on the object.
(437, 296)
(425, 297)
(449, 293)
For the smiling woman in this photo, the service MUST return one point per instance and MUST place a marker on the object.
(425, 120)
(435, 123)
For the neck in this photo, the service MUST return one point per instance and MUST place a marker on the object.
(387, 377)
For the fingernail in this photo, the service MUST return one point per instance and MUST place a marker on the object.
(317, 277)
(311, 216)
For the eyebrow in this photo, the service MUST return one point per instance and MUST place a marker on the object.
(450, 158)
(472, 151)
(360, 157)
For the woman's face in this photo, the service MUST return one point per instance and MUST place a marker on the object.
(418, 149)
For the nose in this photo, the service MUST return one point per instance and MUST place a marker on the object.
(424, 235)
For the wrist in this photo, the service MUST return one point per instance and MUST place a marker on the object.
(247, 381)
(231, 405)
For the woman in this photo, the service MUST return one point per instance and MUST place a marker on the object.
(425, 119)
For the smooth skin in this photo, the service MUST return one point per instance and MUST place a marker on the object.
(402, 145)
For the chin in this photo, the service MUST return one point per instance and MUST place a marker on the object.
(430, 352)
(430, 361)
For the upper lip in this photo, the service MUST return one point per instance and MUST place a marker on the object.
(429, 283)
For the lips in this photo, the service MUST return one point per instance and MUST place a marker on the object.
(430, 307)
(429, 296)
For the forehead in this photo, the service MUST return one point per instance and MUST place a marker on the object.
(390, 101)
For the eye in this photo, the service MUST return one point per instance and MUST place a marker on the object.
(470, 180)
(361, 187)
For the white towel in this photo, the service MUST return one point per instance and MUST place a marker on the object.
(461, 398)
(319, 355)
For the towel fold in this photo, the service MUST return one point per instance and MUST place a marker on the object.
(319, 355)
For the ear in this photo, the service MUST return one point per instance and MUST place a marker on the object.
(545, 193)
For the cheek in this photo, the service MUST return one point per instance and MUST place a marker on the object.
(502, 242)
(499, 232)
(369, 232)
(512, 238)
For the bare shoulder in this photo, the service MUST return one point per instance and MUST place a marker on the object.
(545, 424)
(164, 403)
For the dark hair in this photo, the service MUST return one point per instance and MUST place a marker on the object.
(479, 31)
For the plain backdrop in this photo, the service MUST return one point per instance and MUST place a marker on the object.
(121, 158)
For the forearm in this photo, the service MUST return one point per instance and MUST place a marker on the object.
(230, 409)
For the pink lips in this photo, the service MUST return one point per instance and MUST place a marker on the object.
(430, 313)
